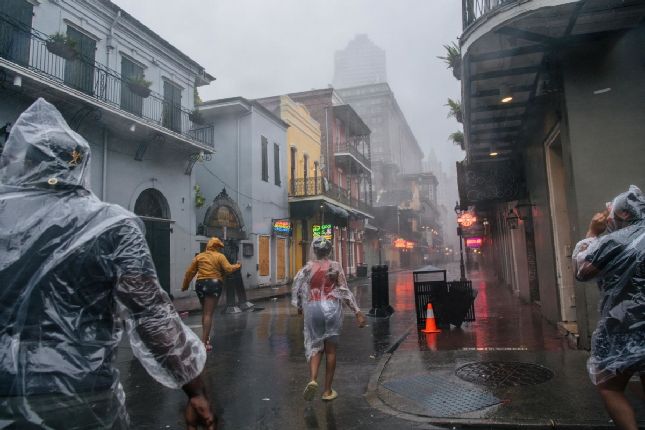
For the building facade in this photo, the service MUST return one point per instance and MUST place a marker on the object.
(553, 126)
(338, 194)
(245, 189)
(129, 93)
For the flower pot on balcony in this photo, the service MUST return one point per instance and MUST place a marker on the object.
(456, 70)
(62, 49)
(138, 88)
(196, 118)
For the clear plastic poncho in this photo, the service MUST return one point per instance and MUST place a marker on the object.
(617, 261)
(319, 290)
(73, 269)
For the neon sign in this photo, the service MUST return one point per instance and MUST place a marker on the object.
(400, 243)
(325, 230)
(282, 226)
(474, 242)
(467, 219)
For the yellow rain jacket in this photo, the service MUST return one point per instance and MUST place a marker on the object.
(210, 264)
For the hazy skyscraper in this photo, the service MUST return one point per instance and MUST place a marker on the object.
(360, 63)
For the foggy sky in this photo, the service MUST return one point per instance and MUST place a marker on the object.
(258, 48)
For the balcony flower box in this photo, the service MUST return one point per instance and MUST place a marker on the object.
(139, 86)
(196, 117)
(62, 46)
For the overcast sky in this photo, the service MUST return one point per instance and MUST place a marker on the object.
(258, 48)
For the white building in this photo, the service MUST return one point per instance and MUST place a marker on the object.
(142, 138)
(245, 188)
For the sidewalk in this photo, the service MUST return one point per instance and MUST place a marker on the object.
(515, 371)
(191, 303)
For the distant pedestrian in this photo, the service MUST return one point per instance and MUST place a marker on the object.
(73, 270)
(319, 290)
(617, 260)
(211, 267)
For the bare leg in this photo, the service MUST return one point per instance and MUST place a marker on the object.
(314, 365)
(330, 361)
(208, 308)
(617, 405)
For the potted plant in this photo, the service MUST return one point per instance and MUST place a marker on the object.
(139, 85)
(453, 59)
(455, 110)
(199, 197)
(61, 45)
(457, 138)
(196, 117)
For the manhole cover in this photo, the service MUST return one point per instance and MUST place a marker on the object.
(504, 373)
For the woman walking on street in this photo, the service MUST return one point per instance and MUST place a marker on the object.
(319, 290)
(617, 261)
(210, 266)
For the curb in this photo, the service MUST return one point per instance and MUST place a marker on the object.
(436, 423)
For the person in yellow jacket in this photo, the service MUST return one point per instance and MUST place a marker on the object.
(210, 266)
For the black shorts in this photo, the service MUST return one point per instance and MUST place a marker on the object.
(208, 287)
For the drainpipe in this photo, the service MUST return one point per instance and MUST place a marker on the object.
(104, 170)
(110, 38)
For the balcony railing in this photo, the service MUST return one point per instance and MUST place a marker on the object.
(27, 47)
(349, 148)
(311, 187)
(472, 10)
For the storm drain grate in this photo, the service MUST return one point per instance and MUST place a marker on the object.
(441, 395)
(504, 373)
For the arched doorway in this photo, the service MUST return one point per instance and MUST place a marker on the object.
(152, 207)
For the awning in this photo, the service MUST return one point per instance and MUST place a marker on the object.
(338, 211)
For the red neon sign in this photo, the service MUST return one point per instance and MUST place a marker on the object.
(474, 242)
(467, 219)
(400, 243)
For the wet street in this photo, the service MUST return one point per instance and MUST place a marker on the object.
(257, 371)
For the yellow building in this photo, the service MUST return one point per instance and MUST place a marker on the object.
(303, 158)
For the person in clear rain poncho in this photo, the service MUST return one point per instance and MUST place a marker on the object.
(73, 269)
(319, 290)
(616, 260)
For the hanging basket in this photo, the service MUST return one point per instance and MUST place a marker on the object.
(138, 89)
(62, 50)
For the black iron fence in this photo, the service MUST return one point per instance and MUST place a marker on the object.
(306, 187)
(472, 10)
(32, 49)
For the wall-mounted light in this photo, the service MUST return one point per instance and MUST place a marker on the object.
(17, 81)
(505, 94)
(492, 152)
(512, 220)
(133, 127)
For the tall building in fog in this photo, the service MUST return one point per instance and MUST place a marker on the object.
(360, 63)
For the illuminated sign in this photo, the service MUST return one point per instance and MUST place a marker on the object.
(467, 219)
(474, 242)
(409, 245)
(400, 243)
(282, 226)
(325, 230)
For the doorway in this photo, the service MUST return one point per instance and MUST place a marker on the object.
(152, 207)
(561, 225)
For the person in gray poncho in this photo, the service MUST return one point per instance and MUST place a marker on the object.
(73, 272)
(617, 260)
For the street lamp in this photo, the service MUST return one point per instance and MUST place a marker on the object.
(462, 268)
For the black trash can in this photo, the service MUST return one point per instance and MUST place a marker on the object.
(452, 302)
(380, 292)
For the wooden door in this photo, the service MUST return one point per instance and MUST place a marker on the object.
(158, 238)
(264, 256)
(281, 250)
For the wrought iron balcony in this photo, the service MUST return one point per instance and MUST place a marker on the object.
(473, 10)
(311, 187)
(28, 48)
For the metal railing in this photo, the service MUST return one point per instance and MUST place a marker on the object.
(309, 187)
(472, 10)
(28, 47)
(347, 147)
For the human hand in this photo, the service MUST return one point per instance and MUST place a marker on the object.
(198, 413)
(360, 319)
(598, 224)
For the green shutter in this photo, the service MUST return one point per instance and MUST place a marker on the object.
(79, 73)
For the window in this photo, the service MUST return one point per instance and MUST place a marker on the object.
(15, 36)
(79, 73)
(265, 159)
(171, 106)
(293, 170)
(276, 164)
(130, 101)
(306, 167)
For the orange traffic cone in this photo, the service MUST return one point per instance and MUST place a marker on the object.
(431, 326)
